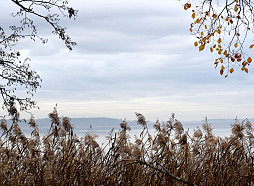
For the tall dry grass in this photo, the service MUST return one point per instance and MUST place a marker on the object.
(171, 156)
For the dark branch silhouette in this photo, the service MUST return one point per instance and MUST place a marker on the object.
(15, 73)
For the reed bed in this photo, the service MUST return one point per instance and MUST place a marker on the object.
(171, 156)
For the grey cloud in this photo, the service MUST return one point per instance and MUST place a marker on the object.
(134, 56)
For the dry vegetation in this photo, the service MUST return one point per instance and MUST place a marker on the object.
(169, 157)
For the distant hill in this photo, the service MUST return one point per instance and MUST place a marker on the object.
(216, 123)
(113, 122)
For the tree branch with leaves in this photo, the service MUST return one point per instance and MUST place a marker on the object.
(226, 27)
(16, 73)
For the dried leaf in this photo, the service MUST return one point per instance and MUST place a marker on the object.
(201, 47)
(214, 16)
(231, 70)
(193, 16)
(187, 6)
(221, 72)
(236, 8)
(249, 60)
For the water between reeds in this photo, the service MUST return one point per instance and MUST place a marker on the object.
(101, 131)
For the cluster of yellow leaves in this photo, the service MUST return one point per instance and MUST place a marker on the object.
(237, 57)
(205, 36)
(245, 69)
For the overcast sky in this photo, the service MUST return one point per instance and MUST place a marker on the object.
(133, 56)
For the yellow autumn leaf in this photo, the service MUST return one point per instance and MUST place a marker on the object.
(251, 46)
(218, 31)
(246, 70)
(211, 49)
(202, 33)
(193, 16)
(190, 29)
(219, 40)
(221, 71)
(231, 70)
(187, 6)
(236, 8)
(222, 67)
(205, 26)
(196, 44)
(197, 21)
(214, 16)
(236, 45)
(201, 47)
(249, 60)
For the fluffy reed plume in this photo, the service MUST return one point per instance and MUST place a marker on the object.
(141, 119)
(170, 156)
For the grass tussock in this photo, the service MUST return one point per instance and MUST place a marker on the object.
(170, 156)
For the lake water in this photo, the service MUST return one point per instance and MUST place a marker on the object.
(219, 129)
(102, 131)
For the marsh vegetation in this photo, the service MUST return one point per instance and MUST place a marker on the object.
(170, 156)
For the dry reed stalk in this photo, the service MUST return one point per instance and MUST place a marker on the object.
(168, 157)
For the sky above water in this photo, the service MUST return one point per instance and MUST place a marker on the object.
(132, 56)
